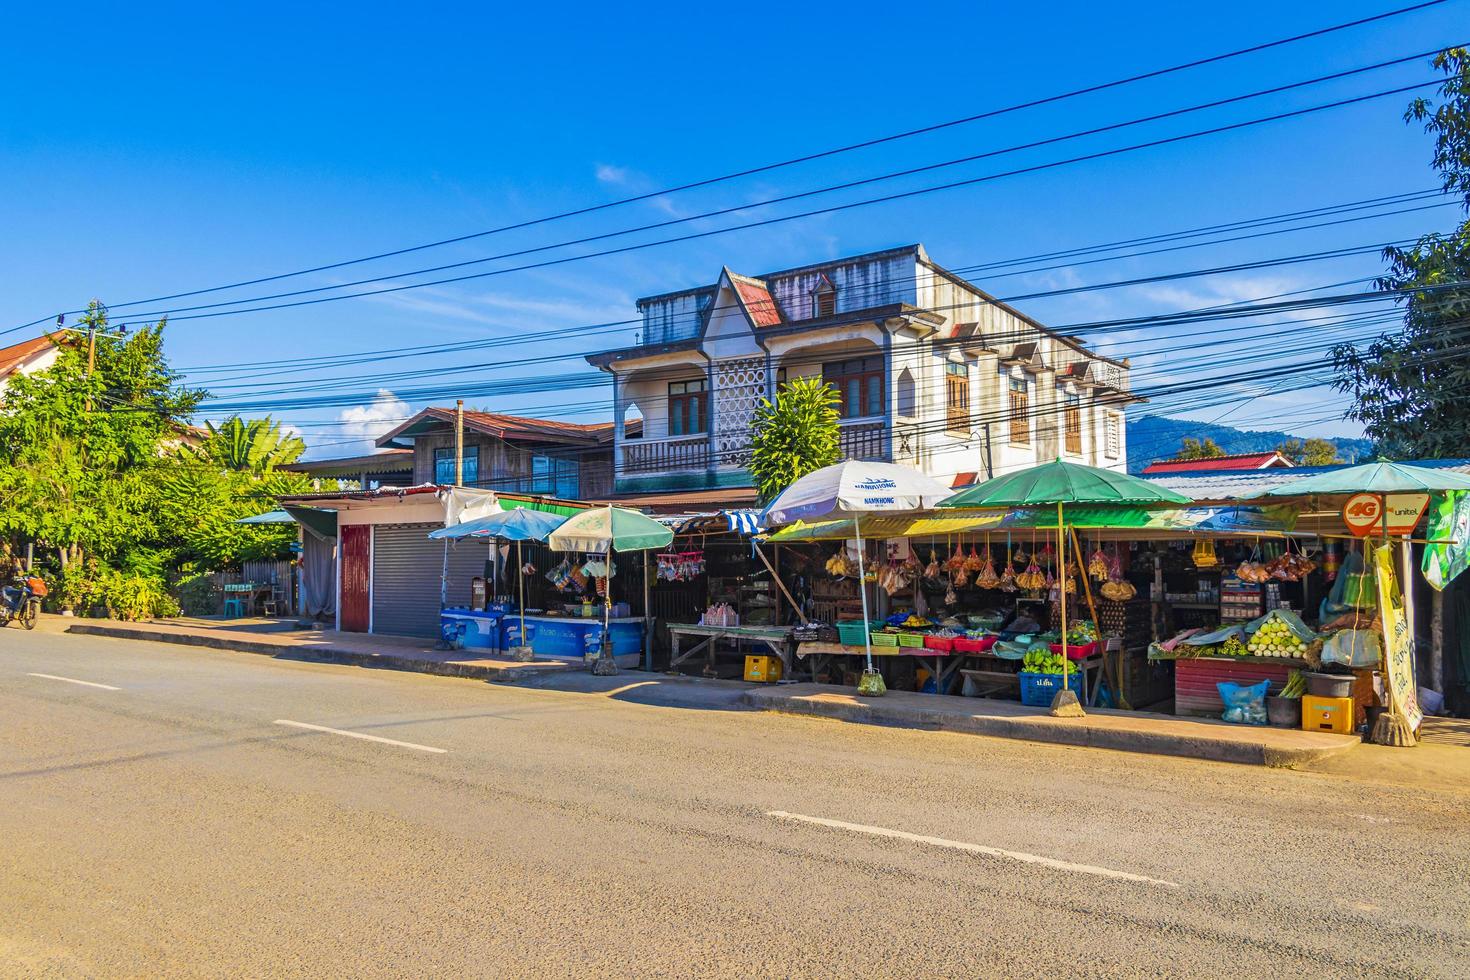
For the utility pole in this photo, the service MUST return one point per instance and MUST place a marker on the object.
(459, 442)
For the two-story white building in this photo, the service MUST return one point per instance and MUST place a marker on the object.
(930, 371)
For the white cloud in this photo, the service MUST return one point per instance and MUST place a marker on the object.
(608, 174)
(362, 424)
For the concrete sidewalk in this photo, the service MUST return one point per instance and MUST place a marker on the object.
(1128, 731)
(283, 638)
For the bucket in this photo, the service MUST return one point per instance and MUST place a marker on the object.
(1329, 685)
(1284, 712)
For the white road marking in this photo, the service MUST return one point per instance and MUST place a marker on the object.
(73, 680)
(1088, 869)
(366, 738)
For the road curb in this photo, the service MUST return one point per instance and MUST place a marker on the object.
(1044, 728)
(327, 654)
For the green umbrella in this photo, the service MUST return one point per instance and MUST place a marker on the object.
(604, 530)
(1378, 477)
(1063, 483)
(1057, 484)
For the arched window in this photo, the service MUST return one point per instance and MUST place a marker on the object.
(632, 422)
(907, 406)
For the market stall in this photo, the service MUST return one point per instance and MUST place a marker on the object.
(600, 534)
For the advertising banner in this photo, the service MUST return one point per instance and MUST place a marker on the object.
(1398, 644)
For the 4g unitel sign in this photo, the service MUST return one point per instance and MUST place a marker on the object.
(1394, 513)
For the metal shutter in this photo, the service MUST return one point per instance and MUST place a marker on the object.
(406, 570)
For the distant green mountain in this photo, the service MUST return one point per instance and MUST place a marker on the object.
(1158, 438)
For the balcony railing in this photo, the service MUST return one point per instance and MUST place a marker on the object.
(863, 440)
(664, 455)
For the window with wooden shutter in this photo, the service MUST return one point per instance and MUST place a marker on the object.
(859, 383)
(957, 396)
(688, 407)
(1113, 436)
(1020, 413)
(1072, 424)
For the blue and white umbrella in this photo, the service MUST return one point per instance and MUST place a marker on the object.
(850, 490)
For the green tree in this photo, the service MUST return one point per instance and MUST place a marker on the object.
(1205, 448)
(254, 446)
(81, 442)
(1311, 452)
(1409, 387)
(793, 436)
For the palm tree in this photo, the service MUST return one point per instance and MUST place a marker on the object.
(254, 446)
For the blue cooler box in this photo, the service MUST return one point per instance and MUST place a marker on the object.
(470, 629)
(573, 639)
(510, 632)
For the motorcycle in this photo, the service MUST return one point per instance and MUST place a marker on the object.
(22, 603)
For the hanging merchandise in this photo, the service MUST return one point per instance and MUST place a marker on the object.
(1291, 566)
(973, 563)
(682, 566)
(933, 569)
(986, 577)
(1331, 560)
(1117, 588)
(1008, 575)
(1097, 566)
(561, 576)
(1252, 570)
(956, 563)
(1204, 554)
(528, 569)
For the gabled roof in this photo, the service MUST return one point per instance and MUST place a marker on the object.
(1237, 461)
(755, 299)
(384, 461)
(511, 427)
(15, 356)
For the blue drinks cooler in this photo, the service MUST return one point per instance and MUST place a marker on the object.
(584, 639)
(470, 629)
(510, 632)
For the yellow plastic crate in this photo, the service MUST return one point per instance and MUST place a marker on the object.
(1327, 714)
(763, 670)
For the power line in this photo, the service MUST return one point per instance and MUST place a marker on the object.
(888, 198)
(823, 154)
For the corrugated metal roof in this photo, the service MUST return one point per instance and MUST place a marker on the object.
(1237, 461)
(506, 427)
(1249, 484)
(756, 299)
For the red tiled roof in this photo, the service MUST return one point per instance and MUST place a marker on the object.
(511, 427)
(1238, 461)
(14, 356)
(756, 299)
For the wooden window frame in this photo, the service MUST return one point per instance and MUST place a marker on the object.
(956, 396)
(1113, 435)
(1072, 424)
(824, 303)
(471, 461)
(866, 377)
(1020, 411)
(684, 396)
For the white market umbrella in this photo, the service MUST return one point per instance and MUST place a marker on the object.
(850, 490)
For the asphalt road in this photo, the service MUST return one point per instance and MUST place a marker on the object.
(169, 823)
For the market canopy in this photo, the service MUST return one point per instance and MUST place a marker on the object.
(269, 517)
(1060, 482)
(1378, 477)
(852, 488)
(1224, 521)
(603, 529)
(520, 524)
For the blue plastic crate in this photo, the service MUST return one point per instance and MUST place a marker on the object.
(1037, 690)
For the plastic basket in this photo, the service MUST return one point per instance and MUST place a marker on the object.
(1076, 651)
(852, 632)
(944, 644)
(911, 640)
(963, 644)
(1037, 690)
(885, 639)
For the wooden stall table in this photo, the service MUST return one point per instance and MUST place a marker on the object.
(776, 638)
(945, 669)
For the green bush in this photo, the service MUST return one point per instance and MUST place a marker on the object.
(197, 595)
(91, 588)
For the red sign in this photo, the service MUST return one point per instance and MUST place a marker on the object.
(1364, 513)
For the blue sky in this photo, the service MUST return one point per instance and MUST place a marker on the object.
(150, 150)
